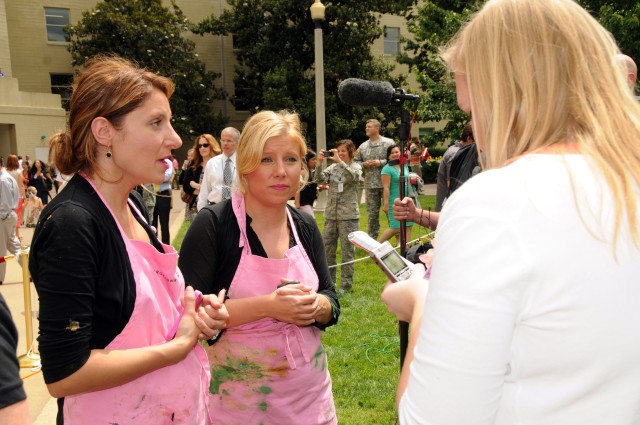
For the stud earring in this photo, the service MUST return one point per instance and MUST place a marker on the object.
(109, 154)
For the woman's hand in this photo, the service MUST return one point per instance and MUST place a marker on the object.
(406, 298)
(295, 303)
(212, 315)
(187, 333)
(404, 209)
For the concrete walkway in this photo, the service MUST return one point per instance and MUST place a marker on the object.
(42, 406)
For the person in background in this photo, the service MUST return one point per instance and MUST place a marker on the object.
(371, 157)
(15, 172)
(631, 71)
(8, 203)
(26, 168)
(390, 176)
(176, 170)
(205, 147)
(342, 213)
(269, 365)
(14, 409)
(185, 164)
(40, 178)
(466, 162)
(305, 199)
(148, 193)
(444, 168)
(118, 330)
(532, 312)
(415, 156)
(32, 207)
(220, 175)
(163, 204)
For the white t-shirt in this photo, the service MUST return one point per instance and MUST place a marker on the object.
(530, 319)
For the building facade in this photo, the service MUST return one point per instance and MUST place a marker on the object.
(37, 67)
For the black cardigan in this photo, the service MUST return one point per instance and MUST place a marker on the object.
(81, 270)
(210, 255)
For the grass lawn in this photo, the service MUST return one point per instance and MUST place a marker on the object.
(363, 348)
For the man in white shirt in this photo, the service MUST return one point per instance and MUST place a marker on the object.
(8, 217)
(220, 174)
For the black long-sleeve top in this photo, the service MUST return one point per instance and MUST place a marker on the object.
(210, 254)
(81, 270)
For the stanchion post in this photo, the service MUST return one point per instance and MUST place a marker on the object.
(29, 359)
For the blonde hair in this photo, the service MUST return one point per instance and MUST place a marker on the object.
(545, 72)
(109, 87)
(260, 128)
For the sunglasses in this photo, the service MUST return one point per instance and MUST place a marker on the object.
(203, 145)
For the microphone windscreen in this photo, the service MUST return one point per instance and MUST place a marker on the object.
(357, 92)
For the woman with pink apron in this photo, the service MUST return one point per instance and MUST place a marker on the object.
(269, 366)
(159, 286)
(267, 371)
(118, 330)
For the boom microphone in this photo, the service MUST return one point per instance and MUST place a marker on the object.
(357, 92)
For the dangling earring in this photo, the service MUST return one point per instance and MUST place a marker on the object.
(109, 153)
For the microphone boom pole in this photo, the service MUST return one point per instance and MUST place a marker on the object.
(403, 134)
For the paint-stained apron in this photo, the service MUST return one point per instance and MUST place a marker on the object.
(171, 395)
(269, 372)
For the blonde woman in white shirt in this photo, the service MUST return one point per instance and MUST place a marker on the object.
(533, 306)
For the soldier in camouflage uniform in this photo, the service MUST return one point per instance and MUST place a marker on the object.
(342, 215)
(372, 155)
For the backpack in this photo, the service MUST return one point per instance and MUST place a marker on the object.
(465, 164)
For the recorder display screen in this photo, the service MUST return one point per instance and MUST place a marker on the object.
(394, 262)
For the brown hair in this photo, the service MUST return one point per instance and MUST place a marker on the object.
(213, 145)
(109, 87)
(351, 147)
(12, 162)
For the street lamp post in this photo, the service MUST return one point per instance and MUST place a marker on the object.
(317, 14)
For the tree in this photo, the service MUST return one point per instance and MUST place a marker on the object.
(432, 26)
(437, 21)
(275, 54)
(151, 35)
(622, 19)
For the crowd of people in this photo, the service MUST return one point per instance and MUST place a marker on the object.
(538, 325)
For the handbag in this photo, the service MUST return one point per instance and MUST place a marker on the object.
(186, 197)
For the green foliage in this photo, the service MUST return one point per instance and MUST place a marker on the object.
(363, 348)
(274, 41)
(430, 170)
(622, 19)
(432, 26)
(151, 35)
(435, 22)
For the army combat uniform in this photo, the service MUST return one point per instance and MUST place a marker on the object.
(372, 183)
(341, 216)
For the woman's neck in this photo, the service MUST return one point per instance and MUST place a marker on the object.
(116, 196)
(270, 225)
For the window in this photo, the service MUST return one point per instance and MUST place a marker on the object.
(61, 84)
(391, 40)
(56, 20)
(426, 133)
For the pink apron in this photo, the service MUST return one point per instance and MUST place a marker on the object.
(269, 372)
(171, 395)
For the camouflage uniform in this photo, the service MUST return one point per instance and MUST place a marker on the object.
(341, 216)
(372, 183)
